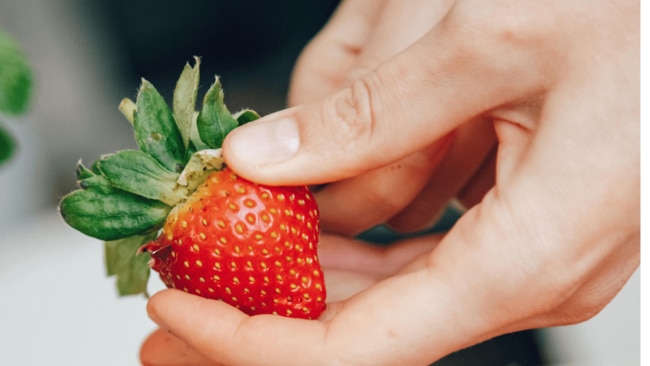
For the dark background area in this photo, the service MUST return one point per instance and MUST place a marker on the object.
(252, 44)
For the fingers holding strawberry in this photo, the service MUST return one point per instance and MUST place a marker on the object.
(552, 241)
(206, 230)
(554, 231)
(350, 268)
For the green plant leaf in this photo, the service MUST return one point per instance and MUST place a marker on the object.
(92, 178)
(97, 182)
(201, 164)
(111, 214)
(184, 101)
(95, 167)
(246, 115)
(15, 77)
(155, 129)
(130, 267)
(214, 121)
(81, 172)
(139, 173)
(127, 107)
(196, 143)
(7, 145)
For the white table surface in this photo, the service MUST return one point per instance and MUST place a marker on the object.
(57, 306)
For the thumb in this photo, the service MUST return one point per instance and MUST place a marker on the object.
(395, 110)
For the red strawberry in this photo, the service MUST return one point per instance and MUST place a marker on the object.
(204, 229)
(250, 245)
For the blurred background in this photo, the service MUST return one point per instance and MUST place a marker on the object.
(86, 56)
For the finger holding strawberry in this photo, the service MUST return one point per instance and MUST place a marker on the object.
(351, 266)
(174, 206)
(553, 231)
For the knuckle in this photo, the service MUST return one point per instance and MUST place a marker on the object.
(521, 32)
(351, 116)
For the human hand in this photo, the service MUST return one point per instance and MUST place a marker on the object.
(350, 266)
(551, 242)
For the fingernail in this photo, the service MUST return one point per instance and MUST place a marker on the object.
(266, 142)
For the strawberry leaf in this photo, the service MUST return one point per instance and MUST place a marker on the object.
(139, 173)
(92, 178)
(246, 115)
(128, 265)
(109, 214)
(214, 121)
(97, 182)
(81, 172)
(196, 144)
(201, 164)
(184, 101)
(127, 107)
(155, 129)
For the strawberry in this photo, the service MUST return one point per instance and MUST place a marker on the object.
(173, 206)
(252, 246)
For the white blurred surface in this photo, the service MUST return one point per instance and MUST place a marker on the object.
(57, 306)
(21, 177)
(610, 338)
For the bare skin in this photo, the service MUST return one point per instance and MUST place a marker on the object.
(526, 112)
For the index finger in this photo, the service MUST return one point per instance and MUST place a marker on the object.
(448, 77)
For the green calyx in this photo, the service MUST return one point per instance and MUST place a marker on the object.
(125, 197)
